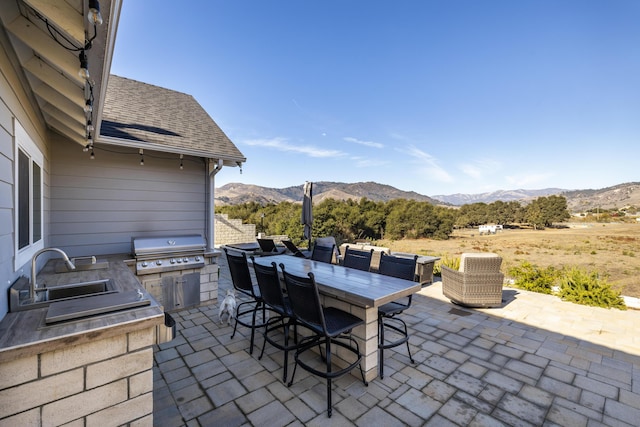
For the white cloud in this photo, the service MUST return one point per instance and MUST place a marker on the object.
(282, 144)
(362, 162)
(480, 168)
(528, 180)
(429, 166)
(365, 143)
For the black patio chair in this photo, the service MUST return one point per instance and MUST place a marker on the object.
(322, 253)
(360, 260)
(268, 247)
(402, 268)
(293, 249)
(330, 326)
(275, 300)
(241, 278)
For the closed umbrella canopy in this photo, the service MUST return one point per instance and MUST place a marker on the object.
(307, 210)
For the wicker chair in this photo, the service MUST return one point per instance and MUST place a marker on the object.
(478, 283)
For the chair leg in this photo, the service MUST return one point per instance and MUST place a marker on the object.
(381, 346)
(328, 356)
(254, 310)
(235, 323)
(253, 329)
(406, 332)
(286, 352)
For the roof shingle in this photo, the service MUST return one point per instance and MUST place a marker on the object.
(171, 121)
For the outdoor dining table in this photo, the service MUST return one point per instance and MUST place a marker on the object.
(356, 291)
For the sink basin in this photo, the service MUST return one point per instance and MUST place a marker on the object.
(19, 293)
(77, 290)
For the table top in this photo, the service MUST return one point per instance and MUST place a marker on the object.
(357, 287)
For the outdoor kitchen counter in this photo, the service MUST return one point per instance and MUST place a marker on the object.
(24, 333)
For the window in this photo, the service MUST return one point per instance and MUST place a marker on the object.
(28, 197)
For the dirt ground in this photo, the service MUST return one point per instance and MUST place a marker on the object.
(611, 249)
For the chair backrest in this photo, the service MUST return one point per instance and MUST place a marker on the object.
(269, 284)
(480, 262)
(360, 260)
(305, 300)
(293, 248)
(267, 245)
(240, 275)
(329, 241)
(322, 253)
(400, 267)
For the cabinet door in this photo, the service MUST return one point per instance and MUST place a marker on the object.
(155, 287)
(168, 292)
(187, 290)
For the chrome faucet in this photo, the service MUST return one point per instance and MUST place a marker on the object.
(33, 287)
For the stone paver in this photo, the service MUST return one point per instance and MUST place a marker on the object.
(535, 361)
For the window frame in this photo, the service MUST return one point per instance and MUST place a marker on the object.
(23, 143)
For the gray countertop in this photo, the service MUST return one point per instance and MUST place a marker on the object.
(25, 333)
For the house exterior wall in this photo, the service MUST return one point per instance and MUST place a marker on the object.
(99, 205)
(15, 106)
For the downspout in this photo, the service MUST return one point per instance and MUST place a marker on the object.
(214, 167)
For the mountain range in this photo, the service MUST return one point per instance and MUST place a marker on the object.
(618, 196)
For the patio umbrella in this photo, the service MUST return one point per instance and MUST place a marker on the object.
(307, 210)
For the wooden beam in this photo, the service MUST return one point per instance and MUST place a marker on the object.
(62, 117)
(60, 102)
(62, 129)
(57, 81)
(47, 48)
(63, 16)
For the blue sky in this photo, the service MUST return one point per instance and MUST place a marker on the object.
(437, 97)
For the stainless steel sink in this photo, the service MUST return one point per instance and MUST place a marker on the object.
(77, 290)
(19, 294)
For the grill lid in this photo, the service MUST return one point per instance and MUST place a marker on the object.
(145, 246)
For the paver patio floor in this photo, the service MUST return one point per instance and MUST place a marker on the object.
(534, 361)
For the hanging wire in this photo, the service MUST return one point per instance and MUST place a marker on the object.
(55, 33)
(146, 154)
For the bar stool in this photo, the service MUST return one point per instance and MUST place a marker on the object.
(402, 268)
(329, 326)
(275, 300)
(241, 278)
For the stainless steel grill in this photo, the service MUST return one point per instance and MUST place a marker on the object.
(168, 253)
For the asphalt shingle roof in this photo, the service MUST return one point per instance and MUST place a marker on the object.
(167, 120)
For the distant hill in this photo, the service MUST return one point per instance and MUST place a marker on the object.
(502, 195)
(617, 196)
(234, 193)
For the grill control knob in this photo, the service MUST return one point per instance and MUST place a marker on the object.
(173, 260)
(185, 259)
(179, 260)
(144, 264)
(159, 262)
(197, 259)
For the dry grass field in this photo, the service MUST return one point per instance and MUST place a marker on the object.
(611, 249)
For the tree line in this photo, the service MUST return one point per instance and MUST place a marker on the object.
(350, 220)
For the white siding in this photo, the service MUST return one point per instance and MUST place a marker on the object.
(99, 205)
(15, 104)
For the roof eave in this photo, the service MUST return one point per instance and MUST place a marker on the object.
(228, 160)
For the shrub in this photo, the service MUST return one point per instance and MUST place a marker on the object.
(531, 278)
(587, 288)
(453, 263)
